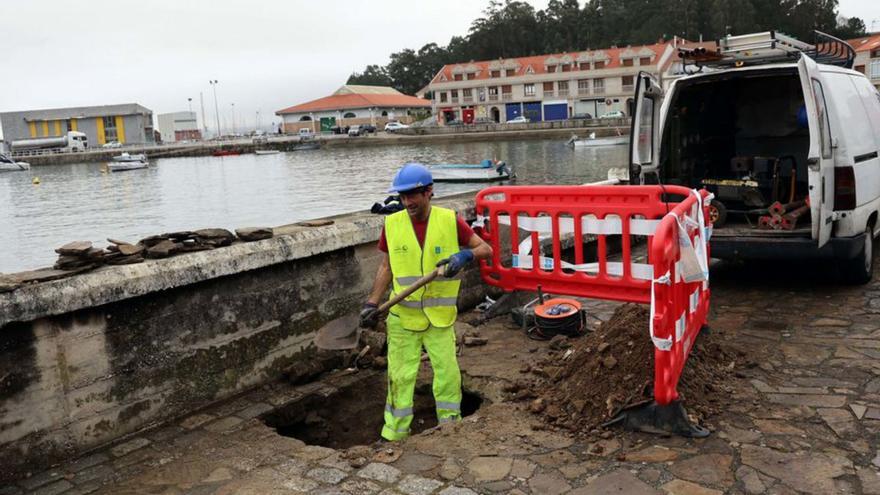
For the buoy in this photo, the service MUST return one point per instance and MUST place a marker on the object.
(36, 180)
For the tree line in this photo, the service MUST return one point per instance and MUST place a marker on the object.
(515, 29)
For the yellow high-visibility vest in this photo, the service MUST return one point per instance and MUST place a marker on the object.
(434, 304)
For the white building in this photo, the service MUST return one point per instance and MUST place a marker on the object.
(179, 126)
(352, 105)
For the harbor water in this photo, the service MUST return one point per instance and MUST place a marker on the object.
(86, 202)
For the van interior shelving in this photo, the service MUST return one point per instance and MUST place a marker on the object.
(739, 135)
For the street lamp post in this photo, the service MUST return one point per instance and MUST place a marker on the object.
(213, 84)
(190, 101)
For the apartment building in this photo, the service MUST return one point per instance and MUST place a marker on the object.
(868, 57)
(547, 87)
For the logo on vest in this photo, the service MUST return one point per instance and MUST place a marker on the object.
(438, 249)
(401, 249)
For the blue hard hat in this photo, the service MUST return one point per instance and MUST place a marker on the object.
(411, 176)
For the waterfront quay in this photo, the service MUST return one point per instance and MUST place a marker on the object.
(282, 142)
(197, 374)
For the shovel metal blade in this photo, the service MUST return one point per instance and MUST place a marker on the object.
(341, 333)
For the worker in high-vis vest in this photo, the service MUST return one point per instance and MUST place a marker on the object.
(415, 241)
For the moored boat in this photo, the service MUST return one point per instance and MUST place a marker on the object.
(126, 157)
(9, 165)
(485, 171)
(225, 153)
(127, 165)
(592, 140)
(266, 152)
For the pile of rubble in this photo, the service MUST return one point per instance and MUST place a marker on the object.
(81, 256)
(586, 382)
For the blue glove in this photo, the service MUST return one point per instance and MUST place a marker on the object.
(456, 262)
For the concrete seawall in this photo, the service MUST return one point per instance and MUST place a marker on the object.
(480, 133)
(89, 359)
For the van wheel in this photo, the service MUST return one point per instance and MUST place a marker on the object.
(860, 269)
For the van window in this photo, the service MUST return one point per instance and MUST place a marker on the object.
(646, 134)
(824, 129)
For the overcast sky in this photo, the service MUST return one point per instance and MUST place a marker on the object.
(266, 56)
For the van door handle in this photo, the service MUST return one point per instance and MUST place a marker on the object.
(813, 163)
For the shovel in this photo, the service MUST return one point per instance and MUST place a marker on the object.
(344, 332)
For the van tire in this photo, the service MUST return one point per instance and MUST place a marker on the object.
(859, 270)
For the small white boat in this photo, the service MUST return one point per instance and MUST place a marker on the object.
(592, 140)
(486, 171)
(266, 152)
(130, 165)
(9, 165)
(125, 157)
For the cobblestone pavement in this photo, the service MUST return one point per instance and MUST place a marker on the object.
(805, 419)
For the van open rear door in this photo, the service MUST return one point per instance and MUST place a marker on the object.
(820, 165)
(644, 143)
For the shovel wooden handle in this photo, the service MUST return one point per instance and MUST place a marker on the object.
(418, 284)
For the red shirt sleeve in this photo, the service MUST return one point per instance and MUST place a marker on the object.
(383, 244)
(465, 232)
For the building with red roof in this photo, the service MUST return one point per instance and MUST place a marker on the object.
(868, 57)
(583, 84)
(351, 105)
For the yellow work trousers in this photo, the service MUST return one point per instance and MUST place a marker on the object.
(404, 358)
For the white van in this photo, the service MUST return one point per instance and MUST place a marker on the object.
(764, 124)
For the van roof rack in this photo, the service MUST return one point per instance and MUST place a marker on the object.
(769, 47)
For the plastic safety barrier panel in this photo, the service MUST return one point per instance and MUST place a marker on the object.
(587, 241)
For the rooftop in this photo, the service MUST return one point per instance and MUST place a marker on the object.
(538, 64)
(82, 112)
(866, 43)
(351, 96)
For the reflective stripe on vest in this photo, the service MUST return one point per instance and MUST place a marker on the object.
(434, 304)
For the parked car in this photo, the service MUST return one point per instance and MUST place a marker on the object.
(483, 120)
(616, 114)
(355, 130)
(395, 126)
(585, 116)
(522, 119)
(112, 144)
(368, 128)
(454, 122)
(800, 133)
(306, 133)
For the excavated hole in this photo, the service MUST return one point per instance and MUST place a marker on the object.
(354, 414)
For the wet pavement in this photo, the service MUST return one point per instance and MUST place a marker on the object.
(802, 417)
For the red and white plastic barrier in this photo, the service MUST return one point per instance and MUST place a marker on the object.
(674, 279)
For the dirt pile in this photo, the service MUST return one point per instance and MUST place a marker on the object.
(588, 383)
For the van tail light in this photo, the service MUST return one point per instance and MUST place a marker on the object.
(844, 188)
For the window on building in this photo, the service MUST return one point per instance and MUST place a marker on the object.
(627, 62)
(110, 134)
(506, 89)
(583, 85)
(551, 68)
(510, 72)
(384, 113)
(562, 86)
(874, 72)
(495, 73)
(471, 75)
(443, 97)
(548, 86)
(627, 82)
(69, 124)
(467, 94)
(566, 68)
(305, 118)
(859, 68)
(598, 86)
(493, 90)
(457, 77)
(453, 94)
(529, 89)
(645, 61)
(600, 64)
(349, 115)
(584, 66)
